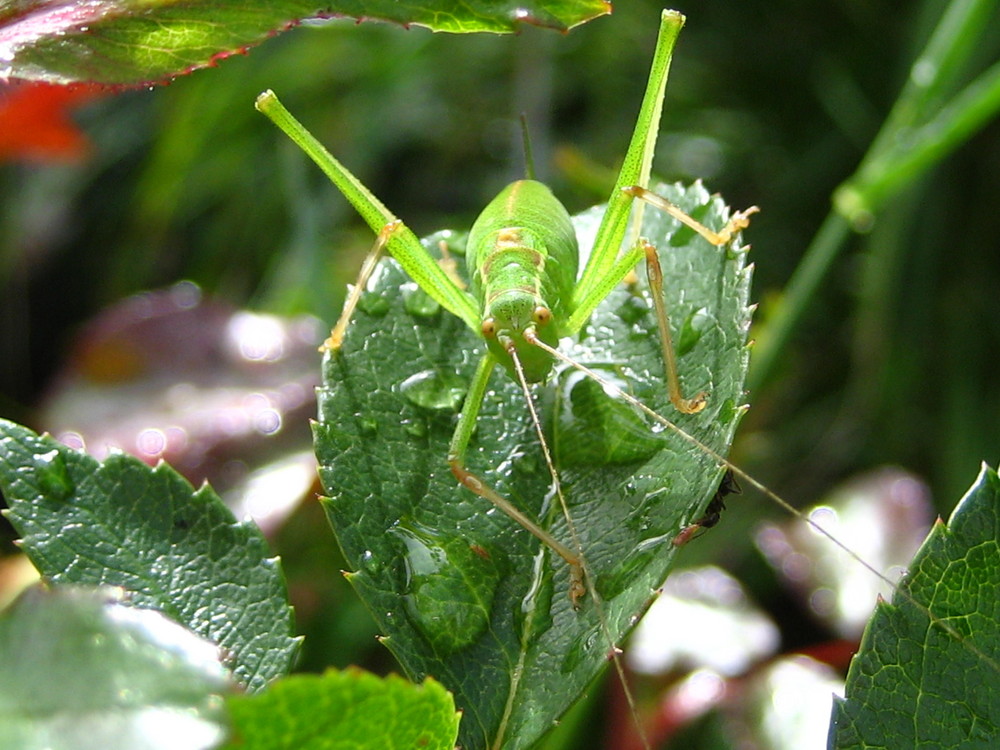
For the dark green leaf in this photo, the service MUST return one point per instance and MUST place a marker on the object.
(79, 671)
(136, 41)
(462, 592)
(174, 549)
(345, 709)
(934, 683)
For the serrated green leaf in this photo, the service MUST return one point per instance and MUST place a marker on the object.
(918, 682)
(345, 709)
(173, 548)
(80, 671)
(138, 41)
(522, 655)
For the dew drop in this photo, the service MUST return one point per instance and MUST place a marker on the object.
(368, 561)
(693, 328)
(374, 304)
(632, 310)
(594, 427)
(630, 567)
(368, 425)
(431, 389)
(579, 651)
(450, 585)
(526, 464)
(53, 479)
(534, 616)
(417, 302)
(415, 427)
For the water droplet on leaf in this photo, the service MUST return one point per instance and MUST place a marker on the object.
(535, 613)
(592, 427)
(692, 329)
(417, 302)
(431, 389)
(526, 464)
(632, 309)
(415, 427)
(450, 586)
(579, 650)
(374, 303)
(53, 479)
(628, 569)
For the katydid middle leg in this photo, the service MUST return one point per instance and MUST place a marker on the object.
(456, 460)
(738, 221)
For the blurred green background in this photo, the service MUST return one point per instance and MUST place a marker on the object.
(894, 362)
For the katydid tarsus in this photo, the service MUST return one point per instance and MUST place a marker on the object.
(526, 296)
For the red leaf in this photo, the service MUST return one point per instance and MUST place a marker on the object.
(35, 124)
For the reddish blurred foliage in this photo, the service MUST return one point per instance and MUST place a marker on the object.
(35, 123)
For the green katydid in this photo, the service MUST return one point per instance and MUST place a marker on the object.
(505, 231)
(525, 294)
(525, 297)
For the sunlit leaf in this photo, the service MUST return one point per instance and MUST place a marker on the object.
(136, 41)
(918, 682)
(172, 548)
(345, 709)
(503, 635)
(82, 671)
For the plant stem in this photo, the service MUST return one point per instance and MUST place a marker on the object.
(921, 129)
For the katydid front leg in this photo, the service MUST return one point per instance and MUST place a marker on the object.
(336, 337)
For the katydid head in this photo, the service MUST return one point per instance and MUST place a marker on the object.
(515, 322)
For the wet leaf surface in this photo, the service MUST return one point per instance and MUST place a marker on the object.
(630, 488)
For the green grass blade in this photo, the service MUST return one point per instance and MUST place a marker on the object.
(933, 115)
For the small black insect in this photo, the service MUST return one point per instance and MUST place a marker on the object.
(728, 486)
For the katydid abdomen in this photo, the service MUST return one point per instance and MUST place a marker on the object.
(523, 256)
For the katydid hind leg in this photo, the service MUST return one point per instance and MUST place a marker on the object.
(400, 242)
(605, 269)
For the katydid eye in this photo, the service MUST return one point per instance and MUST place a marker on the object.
(489, 328)
(542, 315)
